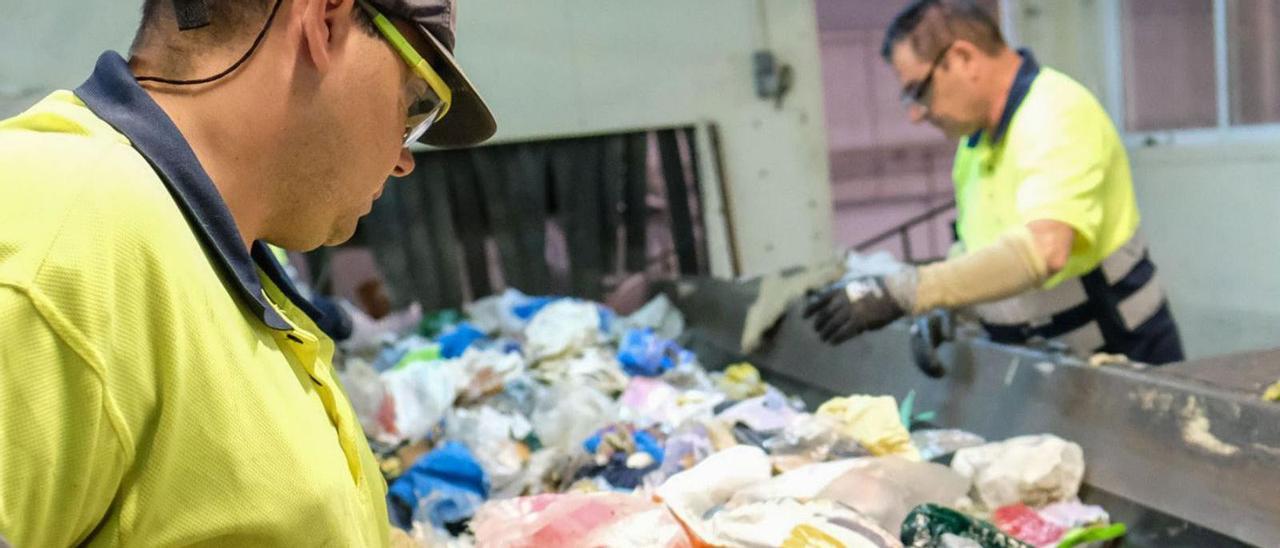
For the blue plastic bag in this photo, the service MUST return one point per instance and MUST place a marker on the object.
(644, 354)
(456, 342)
(531, 307)
(445, 486)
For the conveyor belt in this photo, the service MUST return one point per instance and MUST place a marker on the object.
(1189, 441)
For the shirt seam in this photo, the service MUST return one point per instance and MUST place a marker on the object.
(61, 328)
(74, 339)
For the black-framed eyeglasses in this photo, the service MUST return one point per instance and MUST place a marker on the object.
(915, 95)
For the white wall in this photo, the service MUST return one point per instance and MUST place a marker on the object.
(553, 68)
(1211, 211)
(53, 44)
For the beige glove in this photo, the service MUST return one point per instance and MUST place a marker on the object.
(1006, 268)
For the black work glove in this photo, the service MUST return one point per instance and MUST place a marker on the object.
(842, 312)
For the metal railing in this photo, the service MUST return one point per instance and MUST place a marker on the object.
(903, 231)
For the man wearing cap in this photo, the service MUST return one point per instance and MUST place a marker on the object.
(1046, 209)
(161, 381)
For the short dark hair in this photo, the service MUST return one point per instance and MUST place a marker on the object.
(232, 24)
(931, 25)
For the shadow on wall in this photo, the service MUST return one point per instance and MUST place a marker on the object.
(596, 218)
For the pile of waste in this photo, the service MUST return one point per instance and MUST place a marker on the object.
(536, 421)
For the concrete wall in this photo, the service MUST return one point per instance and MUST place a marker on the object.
(555, 68)
(1211, 210)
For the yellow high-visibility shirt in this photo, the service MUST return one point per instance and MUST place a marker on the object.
(159, 385)
(1055, 156)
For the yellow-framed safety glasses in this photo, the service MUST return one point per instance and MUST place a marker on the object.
(432, 108)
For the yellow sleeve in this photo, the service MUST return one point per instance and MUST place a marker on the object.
(61, 459)
(1063, 167)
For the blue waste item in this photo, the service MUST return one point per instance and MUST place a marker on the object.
(456, 342)
(644, 441)
(512, 347)
(531, 307)
(445, 486)
(606, 318)
(388, 358)
(645, 354)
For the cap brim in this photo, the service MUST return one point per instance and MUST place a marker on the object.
(469, 121)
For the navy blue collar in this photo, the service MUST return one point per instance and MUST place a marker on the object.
(115, 97)
(1027, 74)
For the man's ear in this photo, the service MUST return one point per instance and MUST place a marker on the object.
(963, 55)
(323, 22)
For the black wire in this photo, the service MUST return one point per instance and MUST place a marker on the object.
(256, 42)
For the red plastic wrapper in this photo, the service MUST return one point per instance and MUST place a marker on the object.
(1026, 525)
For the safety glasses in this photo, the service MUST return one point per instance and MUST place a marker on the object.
(915, 95)
(424, 111)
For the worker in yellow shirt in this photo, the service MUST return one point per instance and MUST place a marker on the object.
(1047, 216)
(161, 381)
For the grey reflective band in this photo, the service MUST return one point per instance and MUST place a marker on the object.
(1124, 290)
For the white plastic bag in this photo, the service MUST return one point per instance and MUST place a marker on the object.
(563, 327)
(1033, 470)
(423, 393)
(570, 414)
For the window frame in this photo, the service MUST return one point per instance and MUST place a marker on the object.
(1224, 131)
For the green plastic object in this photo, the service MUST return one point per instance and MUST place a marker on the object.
(438, 322)
(429, 353)
(928, 523)
(907, 414)
(1100, 533)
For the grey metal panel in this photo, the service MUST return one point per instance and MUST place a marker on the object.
(1209, 454)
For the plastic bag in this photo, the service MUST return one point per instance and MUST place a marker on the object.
(741, 381)
(660, 315)
(598, 519)
(810, 439)
(368, 334)
(1033, 470)
(444, 487)
(804, 483)
(456, 341)
(493, 437)
(648, 401)
(423, 392)
(563, 327)
(1071, 515)
(686, 448)
(768, 413)
(873, 421)
(1023, 522)
(486, 372)
(644, 354)
(694, 492)
(880, 263)
(570, 414)
(790, 523)
(689, 376)
(930, 526)
(940, 443)
(594, 367)
(885, 489)
(496, 315)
